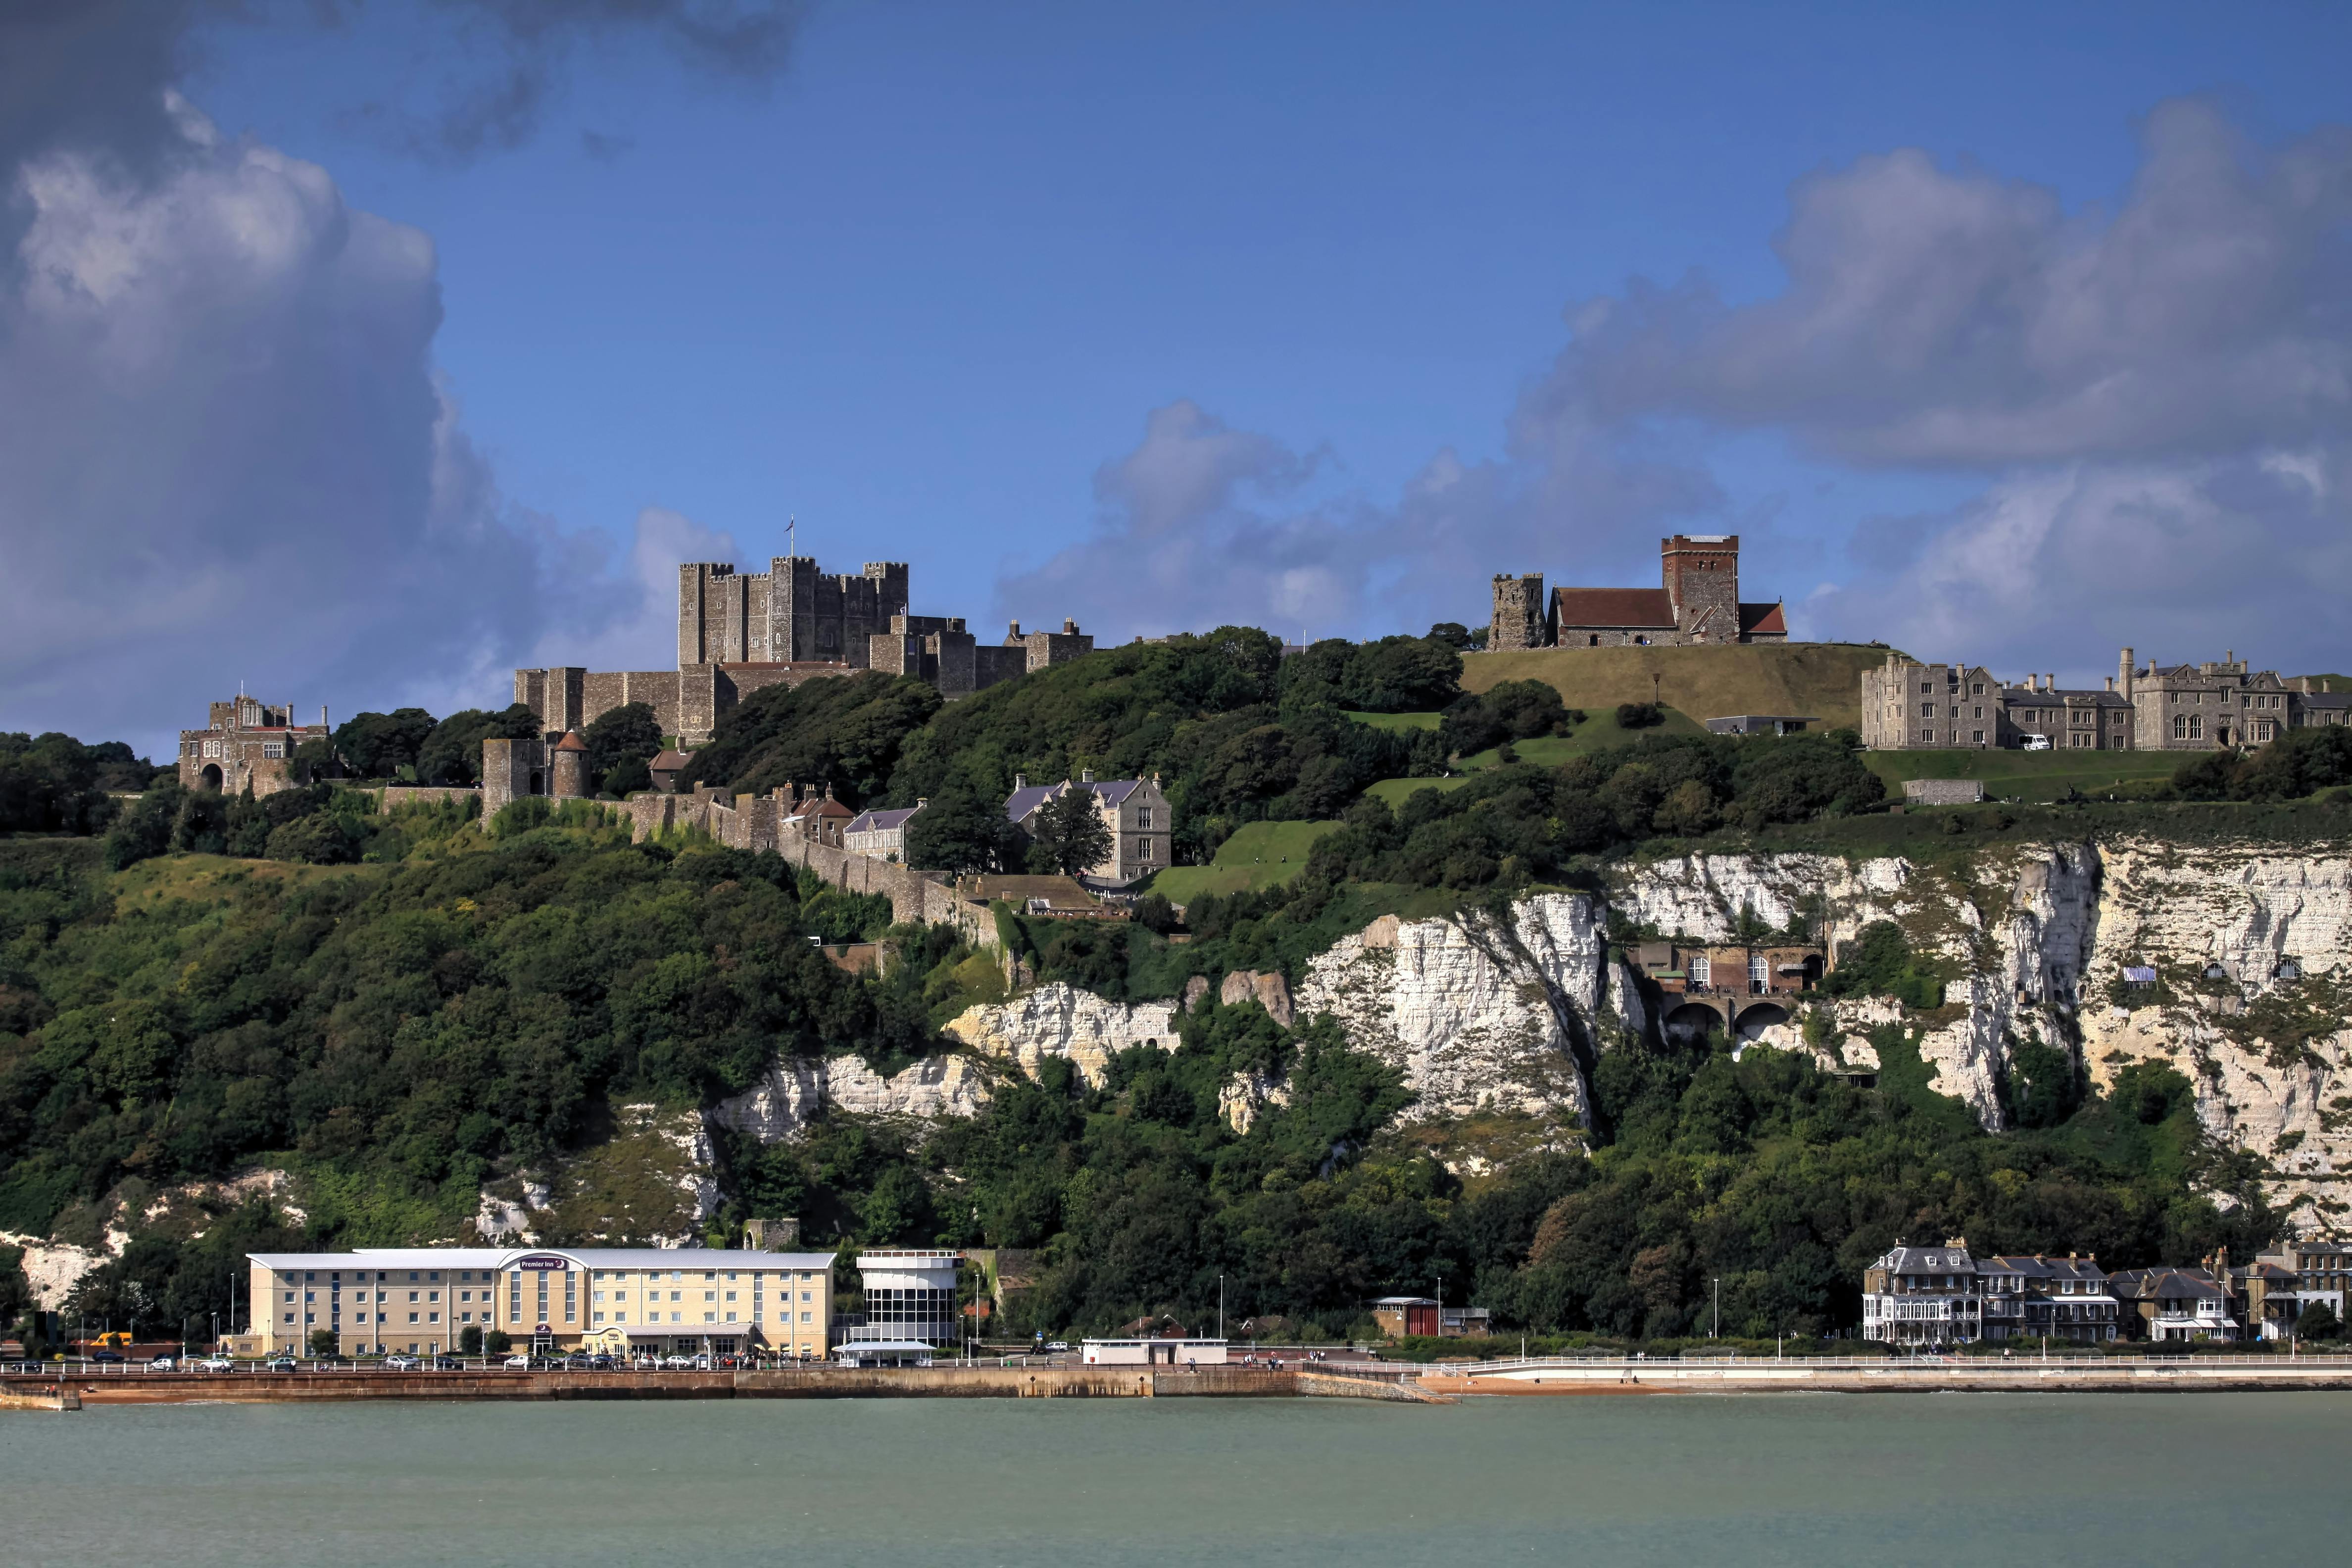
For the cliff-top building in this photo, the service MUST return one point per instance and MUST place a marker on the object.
(740, 633)
(1914, 706)
(245, 744)
(1697, 604)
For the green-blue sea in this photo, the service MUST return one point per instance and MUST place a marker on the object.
(1815, 1479)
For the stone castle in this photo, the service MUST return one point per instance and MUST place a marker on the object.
(739, 633)
(246, 745)
(1698, 605)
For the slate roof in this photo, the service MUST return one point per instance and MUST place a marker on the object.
(1927, 1261)
(669, 761)
(1110, 791)
(880, 821)
(1643, 607)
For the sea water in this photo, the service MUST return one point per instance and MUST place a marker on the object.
(1693, 1480)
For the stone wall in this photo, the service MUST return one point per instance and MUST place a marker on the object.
(756, 822)
(392, 797)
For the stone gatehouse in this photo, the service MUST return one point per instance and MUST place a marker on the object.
(245, 744)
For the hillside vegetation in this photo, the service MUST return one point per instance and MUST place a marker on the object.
(400, 1012)
(1822, 679)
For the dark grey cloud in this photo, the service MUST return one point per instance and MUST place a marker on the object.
(2155, 398)
(491, 68)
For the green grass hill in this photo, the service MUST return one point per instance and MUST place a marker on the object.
(1259, 854)
(1824, 679)
(2023, 775)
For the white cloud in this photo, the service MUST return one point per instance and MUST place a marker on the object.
(224, 457)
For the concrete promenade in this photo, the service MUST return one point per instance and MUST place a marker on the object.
(52, 1391)
(1816, 1375)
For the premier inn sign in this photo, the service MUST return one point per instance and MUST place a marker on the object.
(542, 1263)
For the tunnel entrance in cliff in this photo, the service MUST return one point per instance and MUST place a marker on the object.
(1755, 1020)
(1692, 1026)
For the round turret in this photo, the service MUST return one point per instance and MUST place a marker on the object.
(571, 767)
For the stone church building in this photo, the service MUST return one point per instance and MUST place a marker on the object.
(1697, 604)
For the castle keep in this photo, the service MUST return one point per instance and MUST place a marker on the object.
(739, 633)
(1697, 604)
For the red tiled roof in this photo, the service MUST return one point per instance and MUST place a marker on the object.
(1754, 618)
(571, 741)
(1611, 607)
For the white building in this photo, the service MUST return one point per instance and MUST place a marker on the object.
(1152, 1352)
(880, 834)
(910, 1297)
(1922, 1296)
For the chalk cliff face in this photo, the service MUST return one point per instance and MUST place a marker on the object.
(1062, 1021)
(1489, 1017)
(2042, 934)
(796, 1092)
(1477, 1013)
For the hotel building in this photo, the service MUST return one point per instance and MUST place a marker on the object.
(619, 1300)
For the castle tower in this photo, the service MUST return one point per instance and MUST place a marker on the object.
(571, 767)
(1702, 581)
(1519, 618)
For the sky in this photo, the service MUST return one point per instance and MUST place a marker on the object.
(355, 353)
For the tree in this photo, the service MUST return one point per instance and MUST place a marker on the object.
(2318, 1321)
(620, 743)
(453, 752)
(1071, 833)
(322, 1342)
(470, 1340)
(498, 1342)
(378, 745)
(958, 831)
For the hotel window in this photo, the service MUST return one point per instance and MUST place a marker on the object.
(731, 1295)
(411, 1317)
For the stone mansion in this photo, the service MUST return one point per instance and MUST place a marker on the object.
(1907, 705)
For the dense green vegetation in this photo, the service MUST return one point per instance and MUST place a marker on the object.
(402, 1009)
(54, 784)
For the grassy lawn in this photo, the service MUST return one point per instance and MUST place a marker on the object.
(1398, 723)
(212, 876)
(1822, 679)
(1395, 792)
(1259, 854)
(2026, 775)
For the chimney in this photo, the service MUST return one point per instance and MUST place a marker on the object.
(1070, 629)
(2124, 669)
(2306, 685)
(1085, 775)
(1015, 634)
(2111, 683)
(1020, 780)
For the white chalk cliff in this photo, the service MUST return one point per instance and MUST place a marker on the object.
(1486, 1016)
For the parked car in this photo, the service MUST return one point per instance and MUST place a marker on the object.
(2034, 744)
(678, 1363)
(445, 1364)
(104, 1356)
(281, 1364)
(602, 1363)
(400, 1364)
(162, 1363)
(517, 1364)
(1057, 1344)
(215, 1363)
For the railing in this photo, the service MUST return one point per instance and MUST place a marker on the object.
(2075, 1358)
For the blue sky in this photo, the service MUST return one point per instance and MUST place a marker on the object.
(1127, 312)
